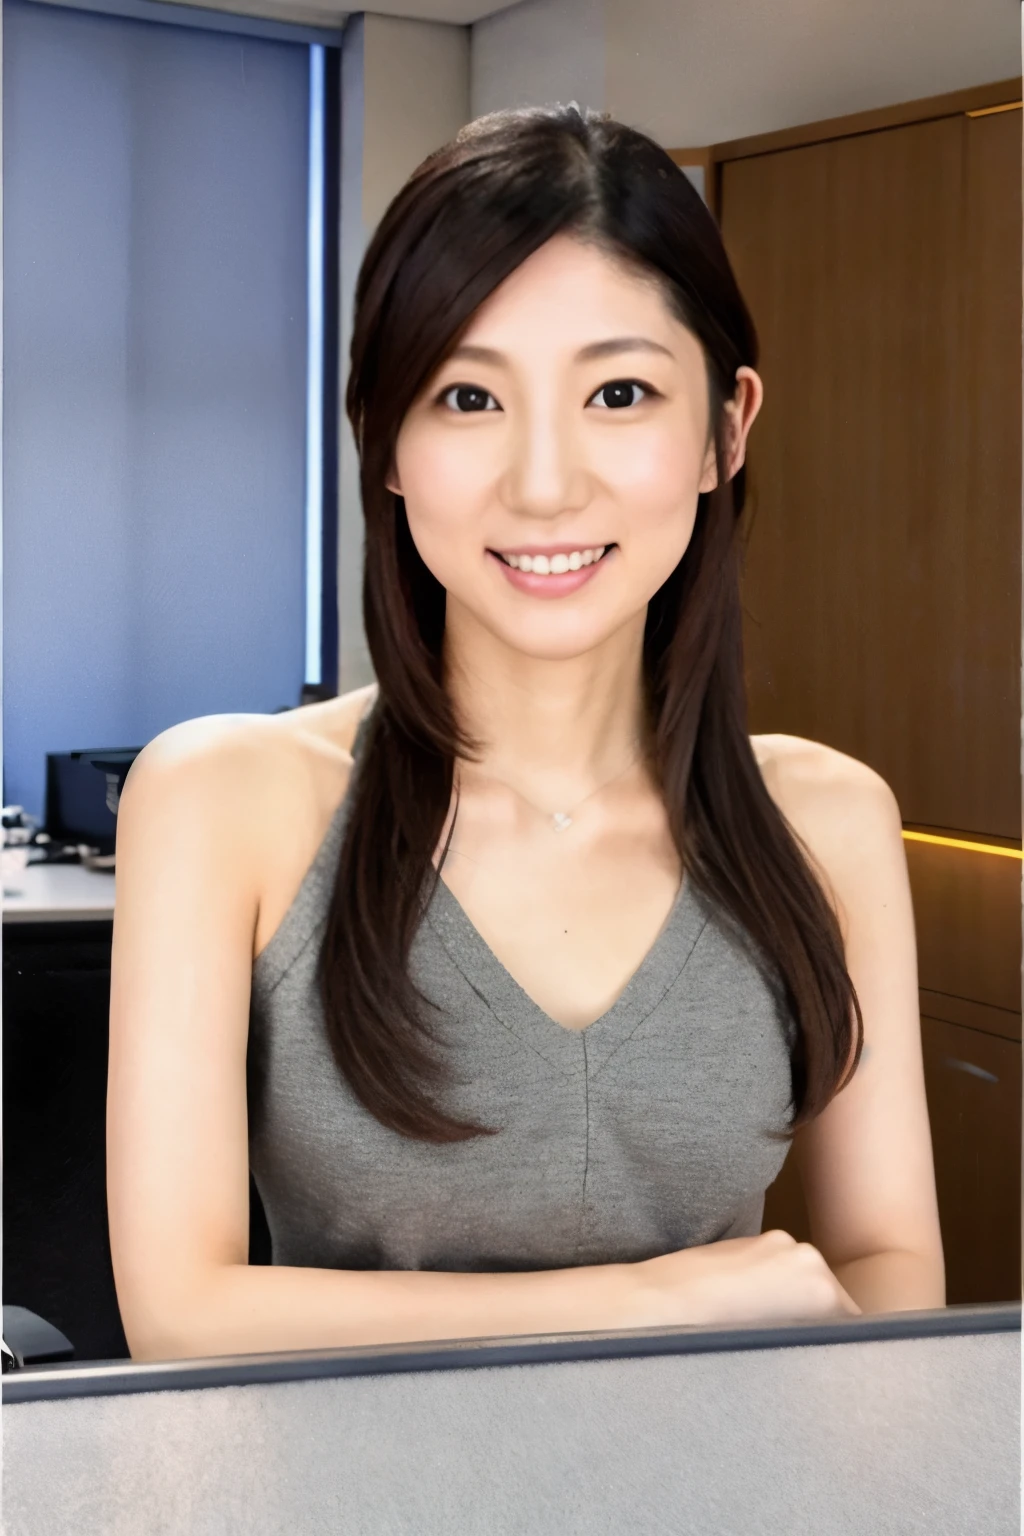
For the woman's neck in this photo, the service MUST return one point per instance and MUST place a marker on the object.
(552, 729)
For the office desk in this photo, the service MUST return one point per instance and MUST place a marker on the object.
(58, 893)
(56, 1001)
(902, 1428)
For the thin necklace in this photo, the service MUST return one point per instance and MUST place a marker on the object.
(561, 821)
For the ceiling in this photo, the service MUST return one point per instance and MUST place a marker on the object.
(331, 13)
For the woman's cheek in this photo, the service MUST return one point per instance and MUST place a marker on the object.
(663, 503)
(443, 520)
(447, 480)
(654, 467)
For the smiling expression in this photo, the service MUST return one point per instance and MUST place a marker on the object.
(552, 466)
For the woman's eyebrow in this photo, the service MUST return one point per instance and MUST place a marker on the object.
(467, 352)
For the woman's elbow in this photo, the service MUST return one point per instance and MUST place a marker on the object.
(162, 1322)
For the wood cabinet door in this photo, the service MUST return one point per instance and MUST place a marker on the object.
(882, 575)
(974, 1100)
(883, 565)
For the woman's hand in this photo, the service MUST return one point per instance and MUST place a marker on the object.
(766, 1279)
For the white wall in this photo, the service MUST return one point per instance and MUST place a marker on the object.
(416, 97)
(703, 71)
(540, 51)
(404, 93)
(692, 72)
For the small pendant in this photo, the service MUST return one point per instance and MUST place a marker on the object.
(561, 821)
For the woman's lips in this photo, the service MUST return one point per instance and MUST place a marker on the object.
(550, 586)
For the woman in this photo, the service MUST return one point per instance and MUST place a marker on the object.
(546, 959)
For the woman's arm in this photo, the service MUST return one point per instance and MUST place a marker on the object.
(866, 1162)
(189, 848)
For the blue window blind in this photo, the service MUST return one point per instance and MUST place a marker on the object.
(156, 183)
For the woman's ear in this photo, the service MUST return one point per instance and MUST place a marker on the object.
(740, 414)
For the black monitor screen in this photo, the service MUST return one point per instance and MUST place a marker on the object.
(82, 793)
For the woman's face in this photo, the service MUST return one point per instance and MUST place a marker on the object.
(572, 418)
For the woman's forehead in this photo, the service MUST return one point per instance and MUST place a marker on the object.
(567, 300)
(566, 276)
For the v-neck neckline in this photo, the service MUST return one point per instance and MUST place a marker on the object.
(571, 1050)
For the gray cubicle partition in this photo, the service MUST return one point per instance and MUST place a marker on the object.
(876, 1427)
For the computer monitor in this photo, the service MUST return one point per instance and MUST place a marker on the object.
(82, 793)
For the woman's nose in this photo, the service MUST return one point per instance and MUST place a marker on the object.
(546, 473)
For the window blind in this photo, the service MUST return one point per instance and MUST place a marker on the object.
(155, 332)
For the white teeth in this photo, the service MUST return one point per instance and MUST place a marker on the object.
(555, 565)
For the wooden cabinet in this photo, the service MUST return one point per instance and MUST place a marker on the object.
(974, 1088)
(882, 584)
(883, 564)
(967, 910)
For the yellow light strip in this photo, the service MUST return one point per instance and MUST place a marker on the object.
(1007, 106)
(960, 842)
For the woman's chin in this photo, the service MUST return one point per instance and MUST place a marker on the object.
(544, 635)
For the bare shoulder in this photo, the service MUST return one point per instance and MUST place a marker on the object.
(810, 780)
(231, 809)
(246, 754)
(843, 812)
(255, 785)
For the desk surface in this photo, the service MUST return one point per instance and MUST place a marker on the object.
(58, 893)
(878, 1437)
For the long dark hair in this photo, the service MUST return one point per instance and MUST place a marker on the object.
(466, 219)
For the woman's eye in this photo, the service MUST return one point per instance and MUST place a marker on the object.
(618, 394)
(463, 398)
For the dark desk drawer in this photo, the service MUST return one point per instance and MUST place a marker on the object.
(56, 1250)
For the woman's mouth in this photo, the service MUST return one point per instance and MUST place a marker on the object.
(551, 573)
(554, 565)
